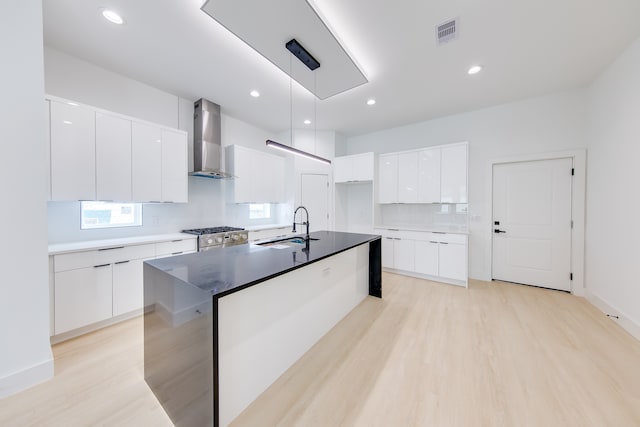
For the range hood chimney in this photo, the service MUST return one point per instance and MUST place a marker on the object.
(207, 140)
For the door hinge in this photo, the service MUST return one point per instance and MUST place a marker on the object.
(573, 171)
(570, 276)
(572, 224)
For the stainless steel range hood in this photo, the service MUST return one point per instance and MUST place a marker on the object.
(207, 140)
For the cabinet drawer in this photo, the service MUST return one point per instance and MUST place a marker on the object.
(175, 246)
(268, 233)
(84, 259)
(447, 238)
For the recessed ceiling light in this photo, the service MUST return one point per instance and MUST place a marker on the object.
(307, 122)
(254, 93)
(475, 69)
(371, 102)
(112, 16)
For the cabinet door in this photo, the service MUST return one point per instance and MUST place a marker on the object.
(73, 152)
(427, 257)
(127, 286)
(429, 176)
(387, 252)
(175, 171)
(343, 169)
(363, 167)
(277, 191)
(146, 157)
(47, 121)
(408, 177)
(82, 297)
(453, 261)
(404, 253)
(454, 174)
(388, 178)
(239, 165)
(113, 158)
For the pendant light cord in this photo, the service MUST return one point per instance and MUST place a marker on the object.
(291, 99)
(315, 114)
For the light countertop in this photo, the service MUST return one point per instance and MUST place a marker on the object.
(60, 248)
(435, 229)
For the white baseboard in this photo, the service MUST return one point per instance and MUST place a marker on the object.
(26, 378)
(623, 320)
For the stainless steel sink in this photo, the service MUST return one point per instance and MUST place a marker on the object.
(288, 241)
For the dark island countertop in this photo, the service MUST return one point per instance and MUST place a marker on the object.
(226, 270)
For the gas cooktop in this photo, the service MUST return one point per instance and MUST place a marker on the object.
(211, 230)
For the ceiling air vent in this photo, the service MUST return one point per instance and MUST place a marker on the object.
(446, 32)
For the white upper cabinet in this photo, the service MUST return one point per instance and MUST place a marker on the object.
(113, 158)
(146, 162)
(99, 155)
(342, 169)
(73, 152)
(408, 177)
(429, 176)
(47, 121)
(354, 168)
(258, 177)
(453, 181)
(388, 178)
(175, 169)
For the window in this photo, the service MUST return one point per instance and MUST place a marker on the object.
(108, 214)
(259, 211)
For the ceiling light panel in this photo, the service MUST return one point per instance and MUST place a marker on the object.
(269, 25)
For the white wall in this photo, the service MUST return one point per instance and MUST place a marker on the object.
(25, 353)
(73, 78)
(544, 124)
(613, 230)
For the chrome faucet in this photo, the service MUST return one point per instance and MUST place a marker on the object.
(301, 223)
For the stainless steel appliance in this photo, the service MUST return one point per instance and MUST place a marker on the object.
(207, 140)
(219, 237)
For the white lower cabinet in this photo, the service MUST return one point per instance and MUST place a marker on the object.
(441, 256)
(82, 297)
(388, 252)
(127, 289)
(453, 261)
(95, 285)
(427, 257)
(404, 251)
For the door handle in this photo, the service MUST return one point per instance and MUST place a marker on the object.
(497, 231)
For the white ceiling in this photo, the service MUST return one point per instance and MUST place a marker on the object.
(527, 48)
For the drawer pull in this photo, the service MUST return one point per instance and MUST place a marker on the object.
(394, 229)
(432, 241)
(101, 265)
(438, 232)
(176, 253)
(122, 262)
(110, 249)
(444, 243)
(175, 241)
(397, 238)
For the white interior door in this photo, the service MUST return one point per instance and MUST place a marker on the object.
(315, 197)
(532, 223)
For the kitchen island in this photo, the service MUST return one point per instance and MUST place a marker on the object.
(221, 326)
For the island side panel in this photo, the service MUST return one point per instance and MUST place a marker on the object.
(375, 268)
(265, 329)
(178, 347)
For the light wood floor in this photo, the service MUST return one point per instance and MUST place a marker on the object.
(427, 354)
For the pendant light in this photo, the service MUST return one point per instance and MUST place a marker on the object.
(307, 59)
